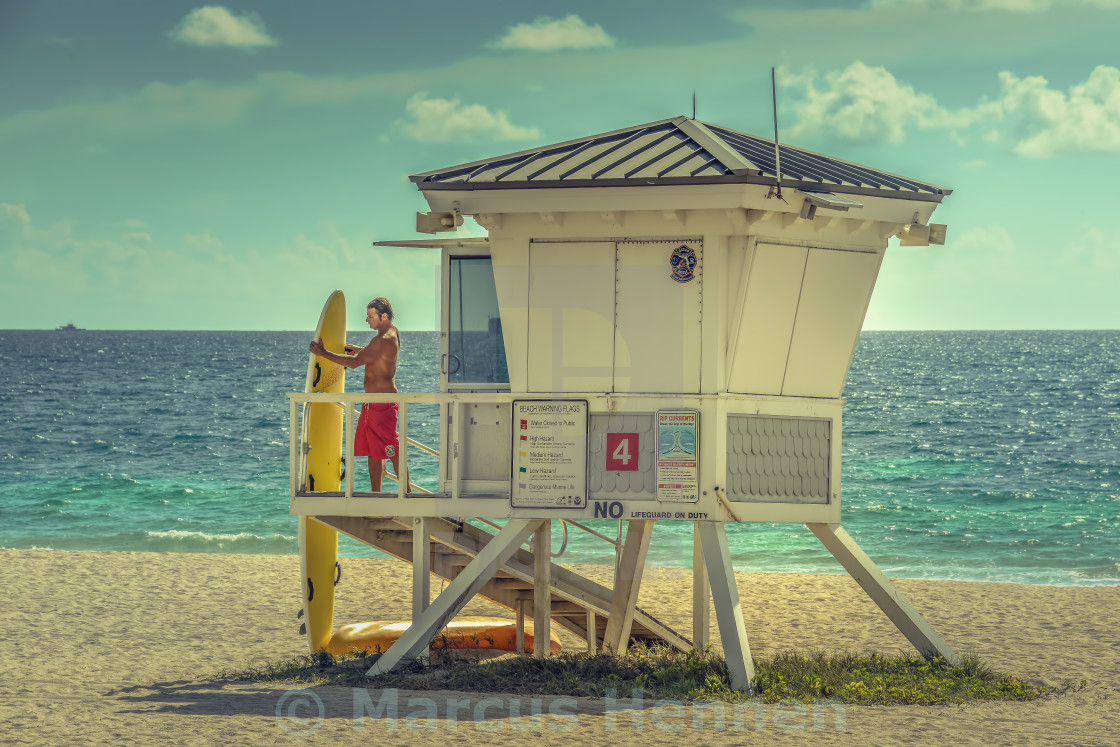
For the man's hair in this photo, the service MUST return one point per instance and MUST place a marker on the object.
(382, 305)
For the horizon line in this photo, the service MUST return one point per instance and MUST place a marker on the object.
(881, 329)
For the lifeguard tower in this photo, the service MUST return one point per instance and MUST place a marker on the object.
(657, 328)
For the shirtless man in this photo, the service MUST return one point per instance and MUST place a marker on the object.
(376, 436)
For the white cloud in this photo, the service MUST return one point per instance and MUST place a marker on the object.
(450, 120)
(155, 107)
(551, 35)
(299, 88)
(868, 104)
(984, 241)
(992, 277)
(158, 106)
(141, 240)
(46, 261)
(123, 278)
(14, 217)
(50, 261)
(1015, 6)
(215, 26)
(1042, 121)
(862, 104)
(1096, 253)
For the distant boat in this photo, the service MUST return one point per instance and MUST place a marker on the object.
(69, 328)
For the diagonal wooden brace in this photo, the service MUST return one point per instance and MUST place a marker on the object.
(903, 614)
(628, 579)
(461, 590)
(729, 611)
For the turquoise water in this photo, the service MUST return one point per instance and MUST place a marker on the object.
(967, 455)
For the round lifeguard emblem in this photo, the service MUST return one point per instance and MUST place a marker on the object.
(683, 261)
(390, 451)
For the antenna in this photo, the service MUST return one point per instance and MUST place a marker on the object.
(777, 153)
(694, 104)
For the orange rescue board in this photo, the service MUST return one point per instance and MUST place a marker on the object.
(462, 632)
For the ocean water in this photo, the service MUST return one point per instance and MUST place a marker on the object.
(989, 456)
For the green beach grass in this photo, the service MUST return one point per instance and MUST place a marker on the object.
(663, 672)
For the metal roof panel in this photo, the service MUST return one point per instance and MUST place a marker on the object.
(675, 151)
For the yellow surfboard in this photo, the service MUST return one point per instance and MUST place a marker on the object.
(322, 471)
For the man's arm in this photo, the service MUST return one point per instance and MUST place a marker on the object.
(357, 360)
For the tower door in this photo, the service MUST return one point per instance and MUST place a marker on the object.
(657, 316)
(473, 359)
(473, 355)
(571, 316)
(609, 316)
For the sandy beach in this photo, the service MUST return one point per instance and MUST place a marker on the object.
(124, 648)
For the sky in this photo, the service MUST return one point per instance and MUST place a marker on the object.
(171, 165)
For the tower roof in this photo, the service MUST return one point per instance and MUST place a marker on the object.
(673, 152)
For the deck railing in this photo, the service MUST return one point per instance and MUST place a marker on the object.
(347, 402)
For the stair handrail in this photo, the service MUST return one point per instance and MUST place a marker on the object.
(411, 485)
(592, 532)
(564, 544)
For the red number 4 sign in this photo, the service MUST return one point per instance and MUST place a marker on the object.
(622, 452)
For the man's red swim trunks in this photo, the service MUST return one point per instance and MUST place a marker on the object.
(377, 431)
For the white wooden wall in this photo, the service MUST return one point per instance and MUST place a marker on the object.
(571, 316)
(802, 310)
(588, 304)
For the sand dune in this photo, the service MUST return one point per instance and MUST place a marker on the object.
(123, 648)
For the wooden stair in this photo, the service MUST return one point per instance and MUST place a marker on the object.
(577, 602)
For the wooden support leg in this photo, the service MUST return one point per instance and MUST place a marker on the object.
(592, 634)
(421, 566)
(521, 626)
(628, 580)
(905, 617)
(701, 593)
(729, 612)
(460, 591)
(542, 590)
(421, 569)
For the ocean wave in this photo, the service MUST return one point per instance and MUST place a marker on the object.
(177, 540)
(241, 543)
